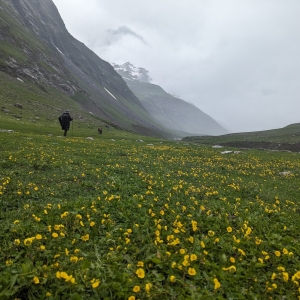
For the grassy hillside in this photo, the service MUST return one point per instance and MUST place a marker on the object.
(120, 218)
(287, 138)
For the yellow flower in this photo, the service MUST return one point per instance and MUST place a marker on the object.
(182, 251)
(136, 289)
(285, 251)
(9, 262)
(232, 259)
(273, 276)
(217, 284)
(95, 283)
(36, 280)
(38, 236)
(42, 247)
(217, 240)
(28, 242)
(140, 273)
(48, 294)
(92, 224)
(17, 242)
(55, 235)
(277, 253)
(140, 264)
(172, 278)
(192, 271)
(131, 298)
(85, 237)
(193, 257)
(148, 287)
(211, 233)
(285, 276)
(74, 259)
(229, 229)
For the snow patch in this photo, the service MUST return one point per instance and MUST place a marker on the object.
(110, 93)
(58, 50)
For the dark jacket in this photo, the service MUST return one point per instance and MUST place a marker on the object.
(65, 120)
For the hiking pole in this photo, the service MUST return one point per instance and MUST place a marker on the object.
(72, 128)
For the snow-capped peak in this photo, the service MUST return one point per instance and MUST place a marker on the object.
(130, 72)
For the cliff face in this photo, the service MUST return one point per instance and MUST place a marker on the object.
(36, 46)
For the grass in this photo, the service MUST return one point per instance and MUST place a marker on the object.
(117, 218)
(288, 134)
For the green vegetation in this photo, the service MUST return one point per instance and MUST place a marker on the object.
(117, 218)
(288, 134)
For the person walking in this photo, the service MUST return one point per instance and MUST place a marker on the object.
(64, 121)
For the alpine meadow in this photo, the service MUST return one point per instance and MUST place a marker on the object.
(138, 211)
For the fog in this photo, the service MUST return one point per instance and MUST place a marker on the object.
(238, 61)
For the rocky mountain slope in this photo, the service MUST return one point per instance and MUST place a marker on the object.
(36, 48)
(171, 112)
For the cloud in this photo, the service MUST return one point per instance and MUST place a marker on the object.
(116, 35)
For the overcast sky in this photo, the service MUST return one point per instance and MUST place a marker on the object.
(236, 60)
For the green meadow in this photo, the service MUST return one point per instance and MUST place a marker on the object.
(115, 217)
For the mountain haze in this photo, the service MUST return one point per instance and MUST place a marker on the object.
(171, 112)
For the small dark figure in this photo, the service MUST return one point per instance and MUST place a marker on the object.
(100, 130)
(64, 121)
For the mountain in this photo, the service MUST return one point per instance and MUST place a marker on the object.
(171, 112)
(37, 50)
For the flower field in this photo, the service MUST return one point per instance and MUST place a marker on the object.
(123, 219)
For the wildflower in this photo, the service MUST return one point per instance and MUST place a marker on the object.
(136, 289)
(17, 242)
(192, 271)
(92, 224)
(131, 298)
(285, 251)
(185, 263)
(48, 294)
(285, 276)
(148, 287)
(38, 236)
(182, 251)
(9, 262)
(85, 237)
(277, 253)
(273, 276)
(64, 215)
(28, 242)
(172, 278)
(217, 284)
(55, 235)
(229, 229)
(74, 259)
(140, 273)
(36, 280)
(232, 259)
(202, 244)
(140, 264)
(193, 257)
(42, 247)
(211, 233)
(217, 240)
(95, 283)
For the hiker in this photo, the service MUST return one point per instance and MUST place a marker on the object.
(64, 121)
(100, 130)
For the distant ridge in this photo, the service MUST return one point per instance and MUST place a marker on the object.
(171, 112)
